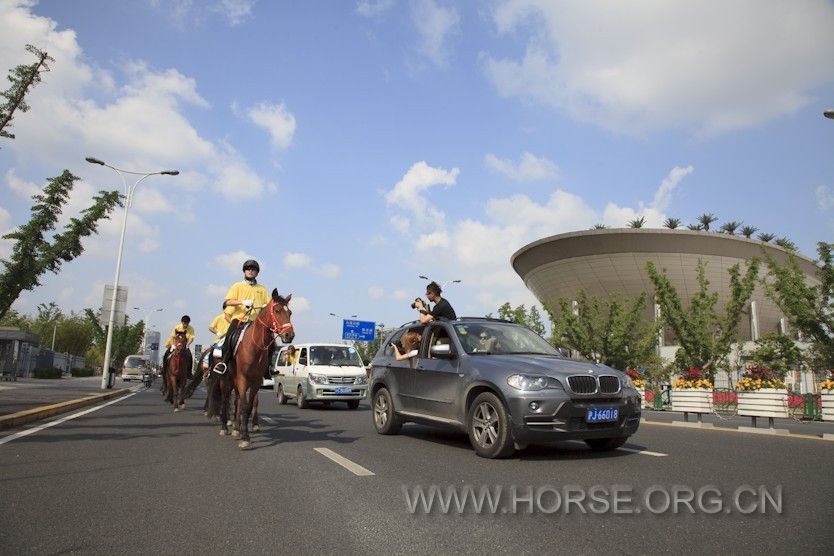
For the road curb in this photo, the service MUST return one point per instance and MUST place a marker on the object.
(741, 430)
(42, 412)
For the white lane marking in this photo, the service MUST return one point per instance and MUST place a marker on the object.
(39, 428)
(267, 419)
(354, 468)
(643, 452)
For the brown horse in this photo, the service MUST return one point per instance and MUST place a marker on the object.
(176, 374)
(251, 361)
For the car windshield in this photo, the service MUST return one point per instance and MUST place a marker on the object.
(501, 337)
(335, 356)
(134, 362)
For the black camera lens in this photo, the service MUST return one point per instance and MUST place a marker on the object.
(413, 305)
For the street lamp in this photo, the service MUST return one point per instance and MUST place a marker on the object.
(829, 113)
(105, 371)
(341, 317)
(147, 325)
(446, 283)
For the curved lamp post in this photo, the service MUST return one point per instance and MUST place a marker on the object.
(829, 113)
(105, 371)
(341, 317)
(446, 283)
(147, 325)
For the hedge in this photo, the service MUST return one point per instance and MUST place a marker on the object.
(82, 372)
(47, 373)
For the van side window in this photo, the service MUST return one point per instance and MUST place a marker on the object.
(302, 357)
(439, 336)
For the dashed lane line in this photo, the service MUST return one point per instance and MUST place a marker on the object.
(354, 468)
(643, 452)
(39, 428)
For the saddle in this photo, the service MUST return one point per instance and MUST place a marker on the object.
(233, 338)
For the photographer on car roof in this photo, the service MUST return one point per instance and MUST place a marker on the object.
(442, 308)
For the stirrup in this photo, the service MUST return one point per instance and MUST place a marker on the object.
(220, 368)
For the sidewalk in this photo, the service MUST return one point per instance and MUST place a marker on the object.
(818, 429)
(30, 399)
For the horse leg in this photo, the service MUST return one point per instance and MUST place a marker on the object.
(182, 385)
(255, 426)
(245, 410)
(224, 407)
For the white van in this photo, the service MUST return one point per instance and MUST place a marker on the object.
(134, 367)
(322, 372)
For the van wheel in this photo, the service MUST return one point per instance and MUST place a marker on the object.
(279, 393)
(301, 399)
(488, 425)
(353, 404)
(385, 420)
(605, 444)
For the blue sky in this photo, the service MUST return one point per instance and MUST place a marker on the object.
(352, 146)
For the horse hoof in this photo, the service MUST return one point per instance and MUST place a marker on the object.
(205, 413)
(228, 423)
(176, 409)
(243, 444)
(235, 433)
(224, 433)
(256, 428)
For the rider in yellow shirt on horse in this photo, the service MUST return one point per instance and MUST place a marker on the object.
(243, 302)
(183, 327)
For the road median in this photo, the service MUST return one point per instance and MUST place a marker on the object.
(37, 413)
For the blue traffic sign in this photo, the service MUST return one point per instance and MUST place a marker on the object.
(361, 330)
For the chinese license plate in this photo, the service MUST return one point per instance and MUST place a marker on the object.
(343, 390)
(602, 414)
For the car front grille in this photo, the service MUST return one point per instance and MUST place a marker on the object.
(341, 379)
(583, 384)
(589, 384)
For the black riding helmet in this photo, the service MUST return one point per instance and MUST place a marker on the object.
(186, 319)
(252, 263)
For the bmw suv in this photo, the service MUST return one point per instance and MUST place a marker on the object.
(502, 384)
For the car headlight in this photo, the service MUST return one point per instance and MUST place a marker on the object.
(527, 383)
(361, 379)
(317, 379)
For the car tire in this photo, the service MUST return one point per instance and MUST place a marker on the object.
(386, 420)
(279, 393)
(301, 399)
(353, 404)
(605, 444)
(488, 425)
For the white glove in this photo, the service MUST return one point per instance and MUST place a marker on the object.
(248, 303)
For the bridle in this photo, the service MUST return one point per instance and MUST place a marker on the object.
(274, 326)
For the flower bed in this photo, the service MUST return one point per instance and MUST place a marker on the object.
(764, 402)
(692, 400)
(827, 399)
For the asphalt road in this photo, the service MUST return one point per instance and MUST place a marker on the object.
(133, 477)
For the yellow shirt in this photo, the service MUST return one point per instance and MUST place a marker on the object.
(242, 290)
(189, 334)
(219, 325)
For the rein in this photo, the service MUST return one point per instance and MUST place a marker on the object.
(274, 326)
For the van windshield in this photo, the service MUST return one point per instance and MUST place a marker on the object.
(134, 361)
(335, 356)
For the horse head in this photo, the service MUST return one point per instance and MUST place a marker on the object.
(180, 340)
(279, 314)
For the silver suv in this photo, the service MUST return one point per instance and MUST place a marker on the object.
(503, 385)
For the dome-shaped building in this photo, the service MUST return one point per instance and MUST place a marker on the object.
(606, 261)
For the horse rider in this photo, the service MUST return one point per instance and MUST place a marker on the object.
(184, 327)
(219, 325)
(243, 301)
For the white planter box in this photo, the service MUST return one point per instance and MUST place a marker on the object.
(767, 402)
(827, 399)
(692, 400)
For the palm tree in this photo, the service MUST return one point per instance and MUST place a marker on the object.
(705, 220)
(766, 237)
(748, 231)
(785, 243)
(672, 223)
(637, 222)
(599, 227)
(694, 227)
(730, 227)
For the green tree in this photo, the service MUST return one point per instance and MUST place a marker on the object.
(705, 220)
(808, 308)
(730, 227)
(672, 223)
(599, 227)
(637, 222)
(610, 331)
(32, 252)
(786, 244)
(778, 353)
(126, 340)
(23, 78)
(694, 227)
(705, 337)
(520, 315)
(748, 231)
(367, 350)
(767, 238)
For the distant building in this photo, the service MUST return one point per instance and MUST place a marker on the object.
(18, 353)
(606, 261)
(121, 306)
(152, 340)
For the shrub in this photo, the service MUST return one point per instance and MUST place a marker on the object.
(82, 372)
(47, 373)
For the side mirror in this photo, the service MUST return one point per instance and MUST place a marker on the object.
(442, 351)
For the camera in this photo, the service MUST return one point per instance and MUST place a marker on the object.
(416, 301)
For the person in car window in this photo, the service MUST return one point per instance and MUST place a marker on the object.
(409, 343)
(442, 308)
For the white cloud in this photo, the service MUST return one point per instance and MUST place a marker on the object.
(5, 227)
(22, 187)
(234, 12)
(434, 25)
(376, 292)
(530, 168)
(429, 242)
(330, 270)
(151, 201)
(216, 292)
(825, 198)
(298, 304)
(610, 62)
(276, 120)
(668, 185)
(297, 260)
(409, 195)
(371, 8)
(233, 262)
